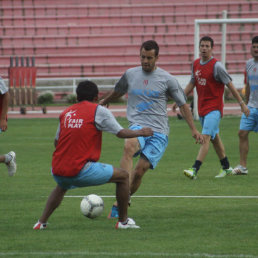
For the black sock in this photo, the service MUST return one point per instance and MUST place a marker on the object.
(224, 163)
(197, 165)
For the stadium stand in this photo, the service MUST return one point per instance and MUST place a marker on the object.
(91, 38)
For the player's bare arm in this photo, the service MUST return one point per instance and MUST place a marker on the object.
(185, 111)
(111, 96)
(3, 120)
(236, 95)
(127, 133)
(247, 93)
(188, 89)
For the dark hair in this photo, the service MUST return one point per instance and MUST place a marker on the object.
(87, 90)
(207, 38)
(149, 45)
(255, 40)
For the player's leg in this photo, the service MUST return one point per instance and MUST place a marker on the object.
(243, 147)
(220, 150)
(2, 158)
(131, 146)
(241, 169)
(218, 147)
(203, 151)
(54, 200)
(141, 167)
(121, 178)
(247, 124)
(210, 128)
(10, 160)
(152, 151)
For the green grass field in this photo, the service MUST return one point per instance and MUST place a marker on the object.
(179, 217)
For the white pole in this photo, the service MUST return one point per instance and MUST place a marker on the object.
(74, 86)
(196, 55)
(224, 39)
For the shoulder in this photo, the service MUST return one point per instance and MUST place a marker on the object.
(102, 111)
(136, 69)
(249, 63)
(218, 65)
(164, 73)
(196, 61)
(170, 79)
(3, 87)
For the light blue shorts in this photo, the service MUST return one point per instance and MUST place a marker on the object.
(152, 147)
(93, 173)
(210, 123)
(250, 123)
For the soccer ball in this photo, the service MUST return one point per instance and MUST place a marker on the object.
(92, 206)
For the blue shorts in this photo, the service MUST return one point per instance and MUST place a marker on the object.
(152, 147)
(210, 123)
(93, 173)
(250, 123)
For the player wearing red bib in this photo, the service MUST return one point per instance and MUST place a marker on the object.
(78, 146)
(209, 77)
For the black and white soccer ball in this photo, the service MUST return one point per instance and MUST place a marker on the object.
(92, 206)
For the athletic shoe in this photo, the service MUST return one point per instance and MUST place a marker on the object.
(224, 172)
(40, 225)
(239, 170)
(113, 213)
(191, 173)
(130, 223)
(11, 165)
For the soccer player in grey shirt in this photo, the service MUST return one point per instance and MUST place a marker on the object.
(149, 88)
(10, 158)
(250, 123)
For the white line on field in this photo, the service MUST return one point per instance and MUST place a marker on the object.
(124, 254)
(175, 196)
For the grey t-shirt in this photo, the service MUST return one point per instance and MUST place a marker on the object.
(220, 73)
(252, 80)
(104, 120)
(148, 94)
(3, 87)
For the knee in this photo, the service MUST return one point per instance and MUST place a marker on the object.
(242, 134)
(139, 172)
(123, 174)
(130, 148)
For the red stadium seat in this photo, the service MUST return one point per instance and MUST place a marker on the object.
(102, 38)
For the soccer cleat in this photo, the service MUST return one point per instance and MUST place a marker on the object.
(113, 213)
(11, 165)
(239, 170)
(191, 173)
(224, 172)
(40, 225)
(130, 223)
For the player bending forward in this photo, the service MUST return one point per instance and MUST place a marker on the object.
(78, 146)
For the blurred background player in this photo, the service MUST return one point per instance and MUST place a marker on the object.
(250, 123)
(210, 77)
(78, 147)
(10, 158)
(149, 88)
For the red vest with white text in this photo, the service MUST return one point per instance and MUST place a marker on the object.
(79, 139)
(210, 92)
